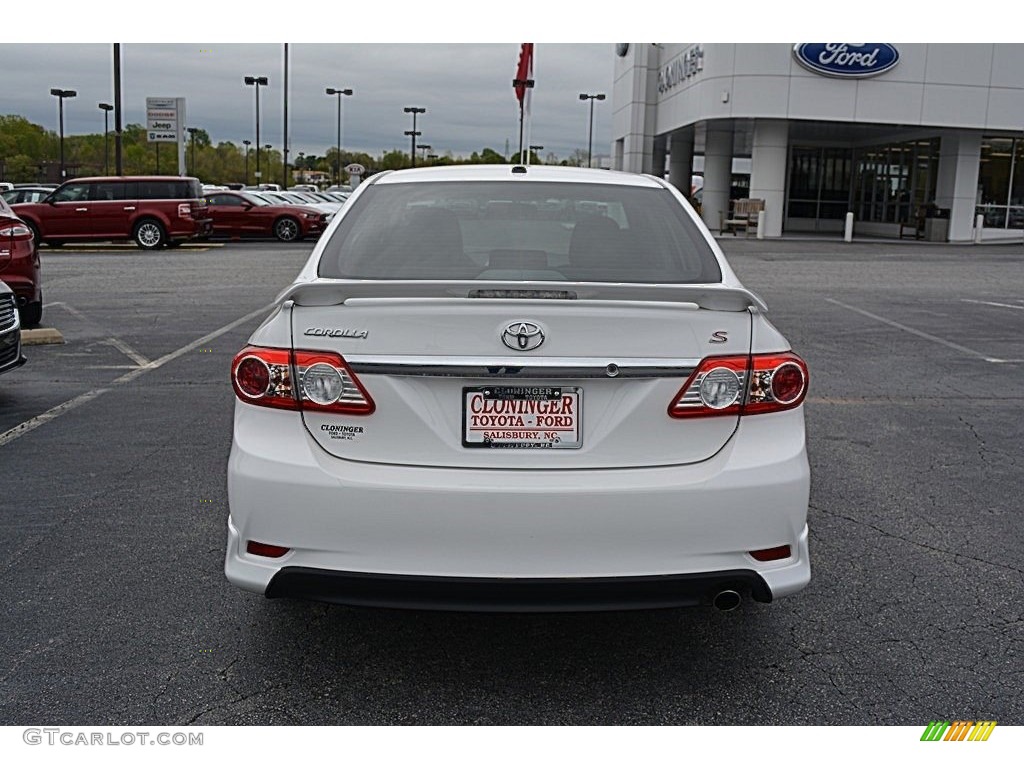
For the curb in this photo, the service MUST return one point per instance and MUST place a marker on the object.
(37, 336)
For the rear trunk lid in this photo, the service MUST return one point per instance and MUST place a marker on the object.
(582, 379)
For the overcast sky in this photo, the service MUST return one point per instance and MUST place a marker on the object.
(466, 86)
(466, 89)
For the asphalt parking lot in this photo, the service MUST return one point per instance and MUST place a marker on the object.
(113, 449)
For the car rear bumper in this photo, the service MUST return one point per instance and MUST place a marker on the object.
(384, 590)
(25, 284)
(468, 532)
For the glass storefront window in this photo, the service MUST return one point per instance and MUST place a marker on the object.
(1001, 182)
(819, 182)
(893, 181)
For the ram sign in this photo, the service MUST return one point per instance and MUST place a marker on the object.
(165, 123)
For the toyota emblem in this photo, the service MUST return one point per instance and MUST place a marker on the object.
(522, 335)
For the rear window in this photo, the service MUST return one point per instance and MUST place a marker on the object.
(170, 189)
(519, 231)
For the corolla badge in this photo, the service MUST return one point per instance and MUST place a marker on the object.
(847, 59)
(345, 333)
(522, 335)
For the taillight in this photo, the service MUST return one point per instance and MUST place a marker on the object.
(185, 210)
(15, 230)
(263, 376)
(326, 383)
(730, 386)
(310, 381)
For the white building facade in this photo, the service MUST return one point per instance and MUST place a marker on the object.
(890, 132)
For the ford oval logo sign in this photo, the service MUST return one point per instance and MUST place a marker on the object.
(847, 59)
(522, 335)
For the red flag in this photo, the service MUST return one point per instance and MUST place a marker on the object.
(525, 69)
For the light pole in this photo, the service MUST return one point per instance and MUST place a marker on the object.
(590, 133)
(257, 81)
(339, 92)
(192, 141)
(413, 133)
(535, 148)
(106, 131)
(425, 148)
(247, 145)
(61, 95)
(270, 170)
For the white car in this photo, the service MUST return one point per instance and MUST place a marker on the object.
(518, 389)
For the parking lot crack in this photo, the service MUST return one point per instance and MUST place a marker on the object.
(982, 451)
(222, 703)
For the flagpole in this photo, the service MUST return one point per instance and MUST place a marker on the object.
(522, 84)
(529, 93)
(521, 132)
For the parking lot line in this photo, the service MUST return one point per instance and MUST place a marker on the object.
(992, 303)
(921, 334)
(69, 405)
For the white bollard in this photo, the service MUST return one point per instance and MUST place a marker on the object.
(848, 231)
(979, 228)
(760, 225)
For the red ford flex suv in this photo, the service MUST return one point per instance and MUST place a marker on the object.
(151, 210)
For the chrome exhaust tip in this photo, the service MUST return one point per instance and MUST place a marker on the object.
(727, 600)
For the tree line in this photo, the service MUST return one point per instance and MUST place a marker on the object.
(30, 153)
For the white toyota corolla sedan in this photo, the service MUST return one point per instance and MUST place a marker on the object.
(515, 388)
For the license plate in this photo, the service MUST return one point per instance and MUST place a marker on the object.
(522, 417)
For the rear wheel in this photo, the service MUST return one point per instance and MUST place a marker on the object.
(31, 313)
(35, 233)
(149, 234)
(286, 229)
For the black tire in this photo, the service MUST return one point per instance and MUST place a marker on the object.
(286, 229)
(149, 234)
(31, 313)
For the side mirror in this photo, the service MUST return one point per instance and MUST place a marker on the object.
(247, 206)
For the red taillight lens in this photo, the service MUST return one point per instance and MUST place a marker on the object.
(263, 376)
(265, 550)
(777, 383)
(185, 210)
(322, 381)
(730, 386)
(326, 383)
(16, 231)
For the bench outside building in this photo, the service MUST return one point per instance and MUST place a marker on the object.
(743, 215)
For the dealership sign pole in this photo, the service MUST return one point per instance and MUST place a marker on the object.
(165, 123)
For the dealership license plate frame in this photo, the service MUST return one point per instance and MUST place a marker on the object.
(565, 438)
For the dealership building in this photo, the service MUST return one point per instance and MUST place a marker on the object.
(901, 135)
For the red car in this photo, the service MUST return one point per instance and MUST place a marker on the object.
(19, 265)
(151, 210)
(238, 214)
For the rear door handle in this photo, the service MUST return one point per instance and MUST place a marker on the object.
(129, 207)
(79, 210)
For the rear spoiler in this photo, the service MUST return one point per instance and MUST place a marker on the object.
(327, 292)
